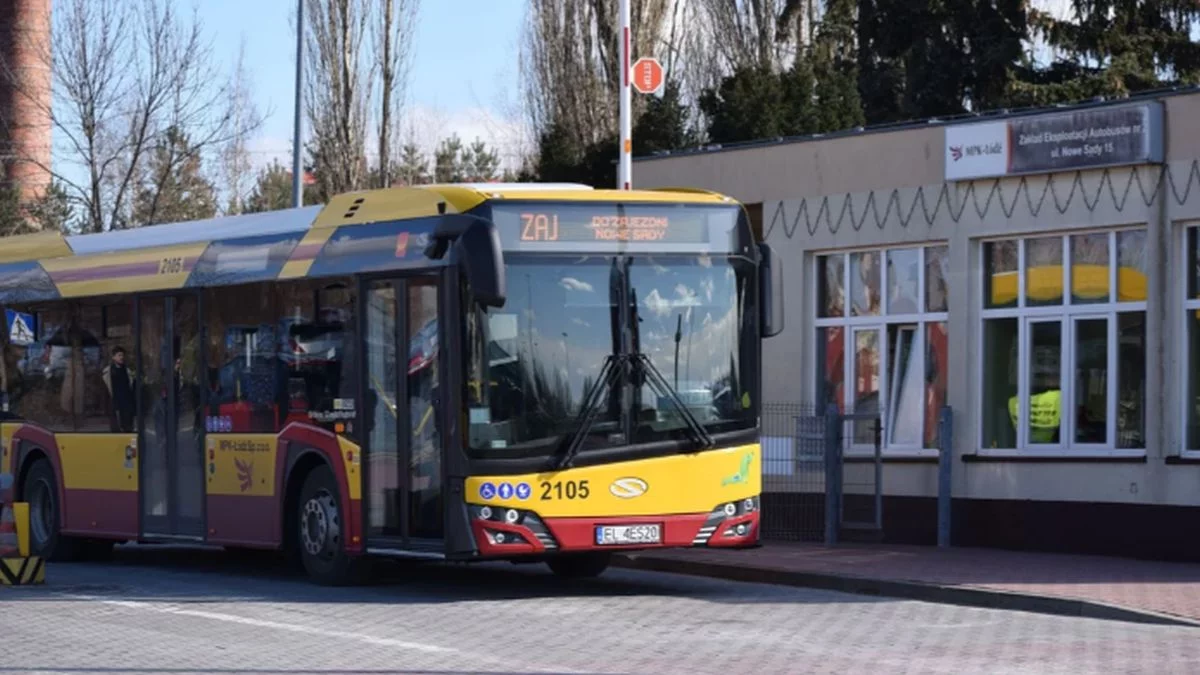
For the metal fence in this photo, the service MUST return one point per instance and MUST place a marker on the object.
(794, 438)
(808, 494)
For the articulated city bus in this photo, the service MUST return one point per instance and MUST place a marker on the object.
(459, 372)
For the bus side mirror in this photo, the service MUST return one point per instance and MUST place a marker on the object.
(483, 258)
(771, 298)
(477, 248)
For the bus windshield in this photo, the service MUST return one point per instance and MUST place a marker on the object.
(691, 320)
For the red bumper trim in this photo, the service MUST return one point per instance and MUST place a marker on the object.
(719, 540)
(490, 549)
(578, 534)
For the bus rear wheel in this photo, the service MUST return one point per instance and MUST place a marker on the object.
(579, 565)
(321, 531)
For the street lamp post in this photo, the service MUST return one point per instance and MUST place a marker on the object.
(297, 153)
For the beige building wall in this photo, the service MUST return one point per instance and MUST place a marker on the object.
(887, 189)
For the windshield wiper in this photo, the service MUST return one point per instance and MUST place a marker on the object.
(664, 388)
(591, 408)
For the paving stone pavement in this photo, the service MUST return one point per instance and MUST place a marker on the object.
(168, 612)
(1169, 588)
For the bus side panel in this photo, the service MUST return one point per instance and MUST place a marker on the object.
(8, 448)
(342, 458)
(243, 492)
(99, 476)
(351, 461)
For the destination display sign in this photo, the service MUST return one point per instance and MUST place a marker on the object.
(557, 226)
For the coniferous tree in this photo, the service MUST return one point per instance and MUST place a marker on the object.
(273, 190)
(748, 104)
(480, 163)
(663, 125)
(920, 59)
(53, 210)
(175, 188)
(12, 219)
(447, 161)
(413, 168)
(1114, 48)
(838, 104)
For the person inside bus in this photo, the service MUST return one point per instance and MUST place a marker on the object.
(118, 378)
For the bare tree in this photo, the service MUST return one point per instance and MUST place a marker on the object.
(569, 62)
(393, 38)
(763, 33)
(358, 55)
(237, 174)
(126, 73)
(337, 91)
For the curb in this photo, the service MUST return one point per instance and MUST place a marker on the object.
(970, 596)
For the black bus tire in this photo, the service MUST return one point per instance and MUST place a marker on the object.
(40, 490)
(320, 532)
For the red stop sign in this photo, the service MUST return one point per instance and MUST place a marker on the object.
(647, 75)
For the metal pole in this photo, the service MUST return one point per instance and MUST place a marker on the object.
(625, 151)
(833, 483)
(297, 151)
(945, 462)
(879, 474)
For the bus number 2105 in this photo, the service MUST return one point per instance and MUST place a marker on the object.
(170, 266)
(569, 489)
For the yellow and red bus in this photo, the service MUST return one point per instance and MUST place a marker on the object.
(546, 372)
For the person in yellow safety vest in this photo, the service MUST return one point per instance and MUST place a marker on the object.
(1045, 413)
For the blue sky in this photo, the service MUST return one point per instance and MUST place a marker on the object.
(464, 67)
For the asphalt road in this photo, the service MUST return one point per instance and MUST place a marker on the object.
(162, 611)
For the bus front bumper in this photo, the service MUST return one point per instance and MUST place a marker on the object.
(508, 533)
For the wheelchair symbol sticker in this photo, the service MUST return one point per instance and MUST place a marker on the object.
(487, 491)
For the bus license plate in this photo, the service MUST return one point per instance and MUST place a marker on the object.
(617, 535)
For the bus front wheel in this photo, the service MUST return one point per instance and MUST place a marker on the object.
(579, 565)
(321, 532)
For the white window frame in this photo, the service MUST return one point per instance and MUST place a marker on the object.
(1067, 313)
(1190, 305)
(920, 320)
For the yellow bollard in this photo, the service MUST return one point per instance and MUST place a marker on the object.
(21, 517)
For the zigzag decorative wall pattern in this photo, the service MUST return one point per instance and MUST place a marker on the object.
(1178, 184)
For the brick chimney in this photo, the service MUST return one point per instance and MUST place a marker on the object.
(25, 94)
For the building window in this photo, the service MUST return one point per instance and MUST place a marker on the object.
(1062, 343)
(882, 341)
(1192, 322)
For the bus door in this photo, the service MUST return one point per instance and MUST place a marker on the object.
(171, 383)
(403, 495)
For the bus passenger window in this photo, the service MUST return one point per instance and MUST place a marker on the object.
(316, 346)
(242, 368)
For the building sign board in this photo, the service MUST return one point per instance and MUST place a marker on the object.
(1066, 141)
